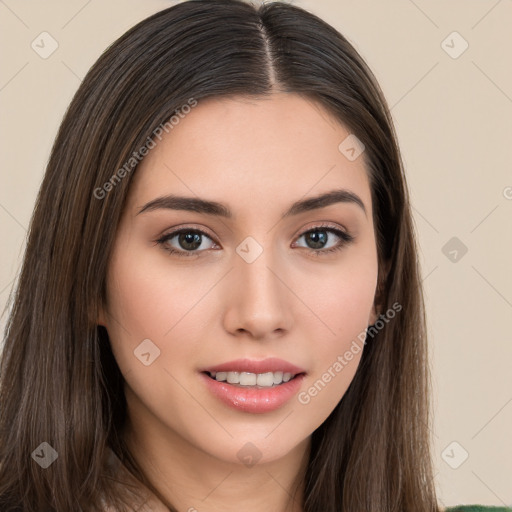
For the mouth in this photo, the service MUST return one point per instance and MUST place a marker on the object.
(253, 380)
(254, 385)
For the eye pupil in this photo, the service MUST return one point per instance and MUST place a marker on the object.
(194, 239)
(318, 238)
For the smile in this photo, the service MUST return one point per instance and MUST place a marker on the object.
(263, 380)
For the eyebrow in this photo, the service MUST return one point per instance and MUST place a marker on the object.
(195, 204)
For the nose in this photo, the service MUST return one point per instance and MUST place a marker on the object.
(259, 301)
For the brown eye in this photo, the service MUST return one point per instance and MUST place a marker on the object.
(188, 242)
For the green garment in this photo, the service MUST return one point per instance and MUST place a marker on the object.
(477, 508)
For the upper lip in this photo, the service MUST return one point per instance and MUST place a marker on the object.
(272, 364)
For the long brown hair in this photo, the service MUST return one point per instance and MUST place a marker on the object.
(60, 383)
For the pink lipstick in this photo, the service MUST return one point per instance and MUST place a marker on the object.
(254, 386)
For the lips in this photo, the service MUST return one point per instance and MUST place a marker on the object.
(272, 364)
(253, 400)
(249, 398)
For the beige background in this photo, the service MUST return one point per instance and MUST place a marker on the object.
(453, 121)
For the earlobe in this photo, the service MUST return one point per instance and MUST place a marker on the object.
(379, 300)
(374, 315)
(101, 317)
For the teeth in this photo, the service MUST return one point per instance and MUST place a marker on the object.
(233, 378)
(277, 377)
(265, 380)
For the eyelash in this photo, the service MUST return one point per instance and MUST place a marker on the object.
(345, 239)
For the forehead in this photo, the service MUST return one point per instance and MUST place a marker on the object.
(252, 152)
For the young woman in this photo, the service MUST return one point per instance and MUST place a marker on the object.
(220, 305)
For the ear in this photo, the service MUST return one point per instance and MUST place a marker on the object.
(374, 314)
(101, 318)
(379, 293)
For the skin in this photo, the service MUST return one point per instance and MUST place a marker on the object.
(257, 156)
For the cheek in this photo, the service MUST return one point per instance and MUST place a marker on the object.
(149, 301)
(341, 296)
(342, 301)
(341, 305)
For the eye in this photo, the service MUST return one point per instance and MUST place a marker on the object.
(318, 239)
(189, 242)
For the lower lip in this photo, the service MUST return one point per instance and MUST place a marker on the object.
(254, 400)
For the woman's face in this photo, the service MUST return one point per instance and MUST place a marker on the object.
(244, 285)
